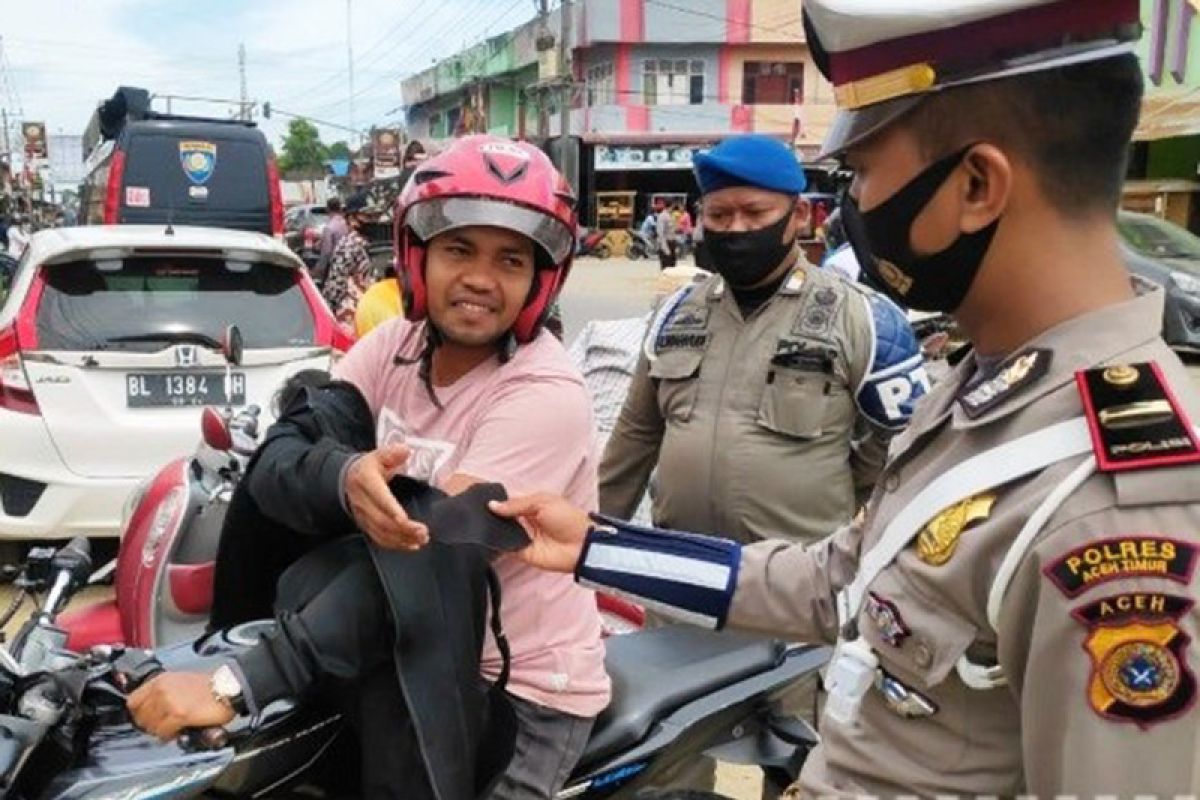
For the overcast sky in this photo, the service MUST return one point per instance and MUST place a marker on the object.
(65, 55)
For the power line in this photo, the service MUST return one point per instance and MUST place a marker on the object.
(317, 88)
(432, 38)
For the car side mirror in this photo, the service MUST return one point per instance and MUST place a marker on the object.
(232, 346)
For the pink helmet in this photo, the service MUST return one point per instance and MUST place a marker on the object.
(492, 181)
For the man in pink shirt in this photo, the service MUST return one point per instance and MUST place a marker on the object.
(470, 389)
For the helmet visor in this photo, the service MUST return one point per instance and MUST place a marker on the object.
(434, 217)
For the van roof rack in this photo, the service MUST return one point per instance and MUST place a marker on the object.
(132, 104)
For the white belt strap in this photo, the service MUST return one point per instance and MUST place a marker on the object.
(1030, 453)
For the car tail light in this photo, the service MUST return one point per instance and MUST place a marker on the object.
(15, 392)
(112, 196)
(325, 327)
(310, 237)
(275, 193)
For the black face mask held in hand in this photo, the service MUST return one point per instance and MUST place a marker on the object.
(881, 242)
(745, 258)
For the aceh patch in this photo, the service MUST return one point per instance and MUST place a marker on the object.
(1138, 652)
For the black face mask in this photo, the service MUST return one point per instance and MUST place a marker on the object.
(881, 240)
(745, 258)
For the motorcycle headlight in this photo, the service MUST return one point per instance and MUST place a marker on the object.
(132, 502)
(164, 515)
(1189, 284)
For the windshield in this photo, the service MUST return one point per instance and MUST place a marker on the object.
(123, 305)
(1157, 238)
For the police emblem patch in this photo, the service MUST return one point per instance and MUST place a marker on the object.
(939, 538)
(1122, 557)
(198, 159)
(1018, 372)
(887, 619)
(1139, 657)
(690, 318)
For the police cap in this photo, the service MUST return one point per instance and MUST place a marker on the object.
(884, 56)
(750, 160)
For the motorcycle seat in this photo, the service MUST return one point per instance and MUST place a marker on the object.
(657, 671)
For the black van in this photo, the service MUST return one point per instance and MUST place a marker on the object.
(147, 167)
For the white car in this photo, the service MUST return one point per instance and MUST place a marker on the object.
(110, 346)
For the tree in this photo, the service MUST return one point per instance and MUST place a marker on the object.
(302, 147)
(340, 150)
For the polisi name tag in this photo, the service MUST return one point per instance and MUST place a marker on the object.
(1134, 419)
(1122, 557)
(1139, 671)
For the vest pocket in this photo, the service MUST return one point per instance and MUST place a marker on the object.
(794, 402)
(677, 373)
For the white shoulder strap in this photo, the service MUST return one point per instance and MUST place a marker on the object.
(989, 677)
(1026, 455)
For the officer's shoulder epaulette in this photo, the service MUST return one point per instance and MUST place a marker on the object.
(1136, 423)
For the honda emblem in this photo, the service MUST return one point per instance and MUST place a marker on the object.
(186, 355)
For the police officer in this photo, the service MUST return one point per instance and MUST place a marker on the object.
(1015, 612)
(767, 394)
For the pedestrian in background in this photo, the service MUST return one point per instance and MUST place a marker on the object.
(665, 230)
(350, 267)
(331, 237)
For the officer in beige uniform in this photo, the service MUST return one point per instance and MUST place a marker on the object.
(767, 394)
(1015, 612)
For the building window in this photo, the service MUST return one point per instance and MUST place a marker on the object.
(772, 82)
(601, 86)
(672, 82)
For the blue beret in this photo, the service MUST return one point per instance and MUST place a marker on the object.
(750, 160)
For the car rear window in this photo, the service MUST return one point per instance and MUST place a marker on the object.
(87, 304)
(155, 174)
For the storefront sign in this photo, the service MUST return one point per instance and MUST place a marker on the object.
(644, 157)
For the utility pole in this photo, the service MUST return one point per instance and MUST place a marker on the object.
(7, 149)
(566, 96)
(244, 109)
(566, 79)
(543, 130)
(350, 62)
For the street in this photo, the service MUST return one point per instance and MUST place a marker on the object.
(609, 288)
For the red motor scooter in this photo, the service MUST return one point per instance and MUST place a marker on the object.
(164, 567)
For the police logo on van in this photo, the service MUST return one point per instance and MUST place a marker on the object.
(199, 159)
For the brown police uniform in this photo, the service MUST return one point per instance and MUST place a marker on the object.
(767, 426)
(1095, 636)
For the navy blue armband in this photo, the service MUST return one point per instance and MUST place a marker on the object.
(686, 576)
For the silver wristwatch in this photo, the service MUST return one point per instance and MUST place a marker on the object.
(227, 688)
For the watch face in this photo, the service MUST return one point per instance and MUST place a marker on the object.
(225, 682)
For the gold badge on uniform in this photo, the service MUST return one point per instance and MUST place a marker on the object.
(939, 538)
(1021, 370)
(1139, 657)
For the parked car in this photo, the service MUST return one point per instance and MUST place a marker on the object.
(110, 346)
(1170, 256)
(149, 167)
(302, 228)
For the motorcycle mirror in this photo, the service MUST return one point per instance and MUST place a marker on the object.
(215, 430)
(231, 346)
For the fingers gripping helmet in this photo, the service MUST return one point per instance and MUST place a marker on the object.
(492, 181)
